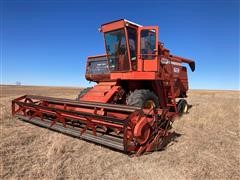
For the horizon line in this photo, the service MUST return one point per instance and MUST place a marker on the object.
(88, 86)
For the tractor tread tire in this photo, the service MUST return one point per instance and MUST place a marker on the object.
(140, 96)
(182, 107)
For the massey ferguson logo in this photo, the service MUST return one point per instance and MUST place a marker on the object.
(167, 61)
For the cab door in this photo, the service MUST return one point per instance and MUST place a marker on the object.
(148, 48)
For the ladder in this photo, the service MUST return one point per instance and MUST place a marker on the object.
(170, 92)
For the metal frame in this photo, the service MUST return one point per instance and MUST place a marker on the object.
(117, 126)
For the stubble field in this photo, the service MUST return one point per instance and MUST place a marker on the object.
(208, 145)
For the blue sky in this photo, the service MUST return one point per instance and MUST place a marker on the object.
(47, 42)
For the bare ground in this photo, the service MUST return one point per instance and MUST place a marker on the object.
(208, 146)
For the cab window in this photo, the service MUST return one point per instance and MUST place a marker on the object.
(132, 36)
(148, 44)
(117, 50)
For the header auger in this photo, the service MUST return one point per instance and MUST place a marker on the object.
(133, 104)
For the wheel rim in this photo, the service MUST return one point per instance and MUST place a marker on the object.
(149, 104)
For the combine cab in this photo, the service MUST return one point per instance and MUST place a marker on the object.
(133, 104)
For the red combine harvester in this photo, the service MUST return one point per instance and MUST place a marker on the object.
(134, 102)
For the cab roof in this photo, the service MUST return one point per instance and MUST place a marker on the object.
(117, 24)
(125, 20)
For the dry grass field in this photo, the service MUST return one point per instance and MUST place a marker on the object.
(208, 146)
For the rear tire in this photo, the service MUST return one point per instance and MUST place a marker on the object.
(82, 93)
(182, 106)
(143, 98)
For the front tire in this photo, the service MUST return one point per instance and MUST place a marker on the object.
(143, 98)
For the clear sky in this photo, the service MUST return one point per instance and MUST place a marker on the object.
(47, 42)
